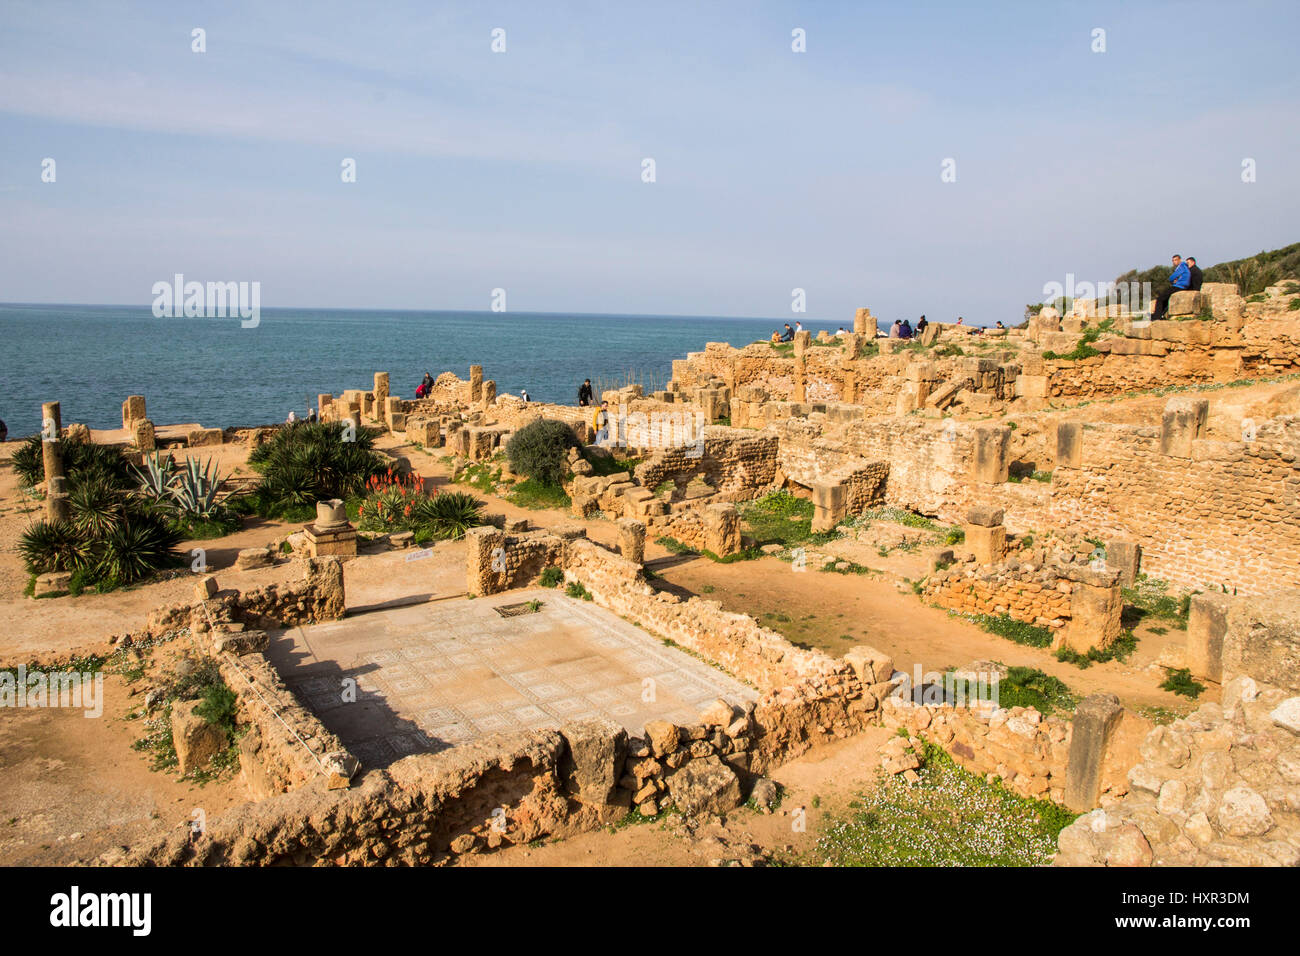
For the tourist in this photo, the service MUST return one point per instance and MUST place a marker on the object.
(523, 393)
(788, 334)
(798, 326)
(905, 330)
(600, 423)
(960, 320)
(921, 325)
(1179, 280)
(425, 386)
(4, 430)
(841, 331)
(584, 393)
(311, 414)
(1000, 325)
(293, 417)
(1193, 274)
(896, 329)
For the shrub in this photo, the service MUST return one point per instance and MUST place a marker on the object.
(82, 461)
(307, 462)
(540, 450)
(1180, 682)
(551, 577)
(398, 504)
(139, 545)
(576, 590)
(50, 546)
(450, 514)
(96, 507)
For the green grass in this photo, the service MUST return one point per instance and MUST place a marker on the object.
(482, 476)
(781, 518)
(1180, 682)
(1030, 687)
(531, 493)
(1018, 632)
(951, 818)
(1150, 597)
(1120, 650)
(602, 465)
(576, 589)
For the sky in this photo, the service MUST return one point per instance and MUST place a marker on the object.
(523, 170)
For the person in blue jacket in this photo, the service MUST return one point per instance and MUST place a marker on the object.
(1179, 281)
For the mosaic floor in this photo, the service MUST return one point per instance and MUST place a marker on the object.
(435, 675)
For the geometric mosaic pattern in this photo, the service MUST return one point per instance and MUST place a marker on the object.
(431, 676)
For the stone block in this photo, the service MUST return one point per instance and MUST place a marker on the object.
(132, 411)
(721, 529)
(830, 505)
(205, 437)
(1126, 558)
(631, 539)
(205, 587)
(1096, 605)
(991, 459)
(1068, 444)
(1094, 723)
(1182, 423)
(250, 558)
(239, 642)
(705, 786)
(1207, 623)
(1187, 303)
(52, 582)
(593, 762)
(986, 516)
(989, 545)
(144, 436)
(196, 740)
(1262, 641)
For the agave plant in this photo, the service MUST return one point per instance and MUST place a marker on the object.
(196, 487)
(156, 476)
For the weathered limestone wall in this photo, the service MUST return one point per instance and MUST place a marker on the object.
(737, 463)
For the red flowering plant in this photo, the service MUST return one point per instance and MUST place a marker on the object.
(393, 502)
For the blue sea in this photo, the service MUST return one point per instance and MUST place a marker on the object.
(219, 374)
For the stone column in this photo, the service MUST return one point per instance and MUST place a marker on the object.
(132, 411)
(489, 392)
(1095, 720)
(1126, 558)
(51, 445)
(829, 504)
(802, 342)
(1096, 605)
(323, 402)
(1207, 622)
(57, 507)
(475, 383)
(800, 380)
(631, 539)
(986, 536)
(381, 393)
(864, 323)
(485, 562)
(143, 433)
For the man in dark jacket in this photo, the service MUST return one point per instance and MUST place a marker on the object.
(584, 393)
(1178, 282)
(1194, 273)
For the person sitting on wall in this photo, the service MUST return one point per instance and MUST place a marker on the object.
(523, 394)
(921, 325)
(1000, 325)
(788, 334)
(584, 393)
(1179, 280)
(905, 330)
(1194, 275)
(895, 330)
(293, 417)
(841, 331)
(600, 423)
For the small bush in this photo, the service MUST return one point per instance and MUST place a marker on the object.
(576, 590)
(1180, 682)
(1013, 630)
(540, 451)
(551, 577)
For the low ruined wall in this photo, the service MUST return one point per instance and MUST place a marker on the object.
(738, 463)
(1039, 597)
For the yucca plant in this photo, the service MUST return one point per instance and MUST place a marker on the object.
(309, 461)
(157, 476)
(51, 546)
(450, 514)
(196, 487)
(29, 462)
(96, 507)
(139, 545)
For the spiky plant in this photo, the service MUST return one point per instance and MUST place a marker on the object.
(96, 507)
(196, 487)
(309, 461)
(139, 545)
(29, 462)
(51, 546)
(450, 514)
(156, 476)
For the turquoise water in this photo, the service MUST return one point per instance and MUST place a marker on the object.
(215, 372)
